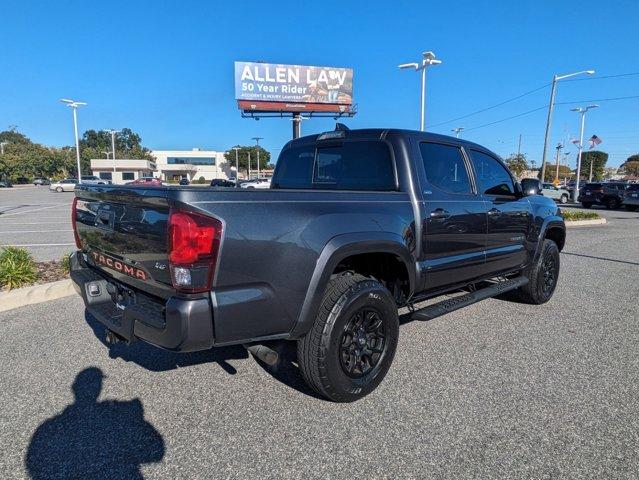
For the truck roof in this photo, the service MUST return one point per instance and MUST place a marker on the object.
(377, 133)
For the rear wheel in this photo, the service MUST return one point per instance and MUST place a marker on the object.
(542, 275)
(563, 198)
(58, 189)
(631, 208)
(351, 345)
(612, 203)
(586, 205)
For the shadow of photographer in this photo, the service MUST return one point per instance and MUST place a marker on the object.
(93, 439)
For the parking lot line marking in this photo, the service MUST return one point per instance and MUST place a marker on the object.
(35, 209)
(37, 245)
(35, 231)
(30, 223)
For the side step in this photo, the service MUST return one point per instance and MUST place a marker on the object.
(452, 304)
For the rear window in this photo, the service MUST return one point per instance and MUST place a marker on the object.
(593, 185)
(634, 187)
(361, 165)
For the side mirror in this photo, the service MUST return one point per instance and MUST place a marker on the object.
(531, 186)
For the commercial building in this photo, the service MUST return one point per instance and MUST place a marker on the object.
(123, 170)
(173, 165)
(169, 165)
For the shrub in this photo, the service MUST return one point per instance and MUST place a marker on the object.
(201, 180)
(579, 215)
(65, 263)
(17, 268)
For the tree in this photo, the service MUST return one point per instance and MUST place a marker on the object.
(598, 160)
(631, 165)
(517, 163)
(243, 155)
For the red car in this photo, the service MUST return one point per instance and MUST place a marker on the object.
(148, 181)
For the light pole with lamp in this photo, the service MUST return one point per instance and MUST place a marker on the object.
(257, 144)
(580, 147)
(74, 105)
(457, 131)
(553, 92)
(113, 132)
(427, 60)
(237, 166)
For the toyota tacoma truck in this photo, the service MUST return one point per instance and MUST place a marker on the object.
(355, 225)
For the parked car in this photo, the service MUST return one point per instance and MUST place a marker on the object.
(610, 195)
(631, 197)
(66, 185)
(184, 181)
(147, 182)
(38, 181)
(257, 183)
(22, 181)
(558, 194)
(356, 224)
(92, 179)
(5, 184)
(221, 182)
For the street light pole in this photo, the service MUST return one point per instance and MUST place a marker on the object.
(428, 59)
(551, 105)
(113, 132)
(2, 144)
(249, 165)
(74, 105)
(257, 144)
(457, 131)
(558, 147)
(237, 166)
(582, 111)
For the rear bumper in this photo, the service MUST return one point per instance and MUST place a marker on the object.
(631, 201)
(175, 324)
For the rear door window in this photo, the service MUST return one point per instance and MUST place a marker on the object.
(445, 167)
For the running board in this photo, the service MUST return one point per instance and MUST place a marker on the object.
(452, 304)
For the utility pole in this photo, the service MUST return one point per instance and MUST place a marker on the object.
(558, 147)
(582, 111)
(249, 166)
(297, 125)
(551, 105)
(519, 147)
(113, 132)
(257, 144)
(237, 167)
(457, 131)
(74, 105)
(428, 59)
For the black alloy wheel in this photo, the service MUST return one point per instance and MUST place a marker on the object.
(363, 342)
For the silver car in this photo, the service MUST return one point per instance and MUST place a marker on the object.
(558, 194)
(66, 185)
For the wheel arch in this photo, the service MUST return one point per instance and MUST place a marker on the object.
(553, 229)
(335, 256)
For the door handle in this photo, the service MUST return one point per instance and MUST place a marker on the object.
(494, 212)
(439, 213)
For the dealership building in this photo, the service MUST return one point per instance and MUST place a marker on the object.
(169, 165)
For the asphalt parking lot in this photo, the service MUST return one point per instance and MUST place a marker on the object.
(496, 390)
(37, 219)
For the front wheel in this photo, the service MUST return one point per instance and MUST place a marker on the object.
(59, 189)
(586, 205)
(631, 208)
(542, 275)
(351, 345)
(563, 199)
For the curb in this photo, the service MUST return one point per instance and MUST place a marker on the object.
(584, 223)
(21, 297)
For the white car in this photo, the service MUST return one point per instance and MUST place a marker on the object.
(257, 183)
(66, 185)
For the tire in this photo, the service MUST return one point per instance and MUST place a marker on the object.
(342, 358)
(631, 208)
(59, 189)
(586, 205)
(563, 199)
(540, 287)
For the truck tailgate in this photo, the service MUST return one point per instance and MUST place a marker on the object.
(123, 233)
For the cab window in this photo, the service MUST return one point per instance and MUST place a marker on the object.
(492, 176)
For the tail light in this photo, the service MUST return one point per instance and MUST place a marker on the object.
(74, 218)
(193, 245)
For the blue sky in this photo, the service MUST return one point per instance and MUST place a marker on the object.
(165, 69)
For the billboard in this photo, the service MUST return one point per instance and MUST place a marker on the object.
(268, 86)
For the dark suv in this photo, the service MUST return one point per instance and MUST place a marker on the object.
(631, 197)
(610, 195)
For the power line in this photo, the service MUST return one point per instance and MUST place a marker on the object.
(598, 100)
(489, 108)
(601, 77)
(507, 118)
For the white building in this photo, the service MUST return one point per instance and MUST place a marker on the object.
(173, 165)
(126, 169)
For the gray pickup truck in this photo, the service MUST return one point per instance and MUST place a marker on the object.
(355, 224)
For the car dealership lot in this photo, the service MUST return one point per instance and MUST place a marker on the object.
(495, 390)
(37, 219)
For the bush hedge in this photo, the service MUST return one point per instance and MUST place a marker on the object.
(17, 268)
